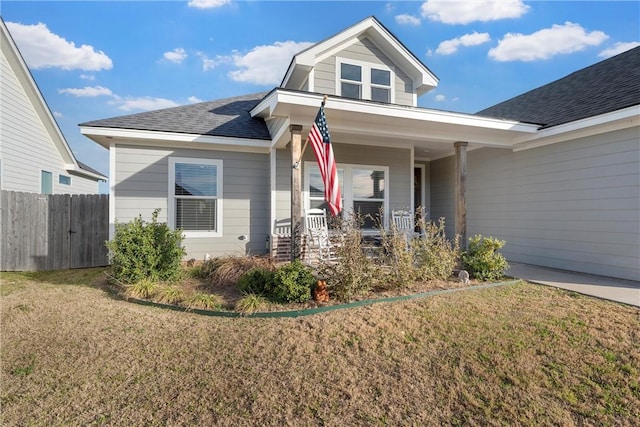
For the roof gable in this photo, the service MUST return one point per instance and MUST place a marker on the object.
(604, 87)
(370, 28)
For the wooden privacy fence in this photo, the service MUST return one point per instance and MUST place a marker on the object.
(52, 232)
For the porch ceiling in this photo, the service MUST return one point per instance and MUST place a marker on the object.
(430, 132)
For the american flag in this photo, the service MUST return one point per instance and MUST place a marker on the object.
(321, 143)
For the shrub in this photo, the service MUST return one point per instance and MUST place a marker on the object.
(292, 283)
(353, 273)
(397, 257)
(256, 281)
(435, 255)
(143, 250)
(482, 259)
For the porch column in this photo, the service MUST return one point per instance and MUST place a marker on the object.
(461, 189)
(296, 191)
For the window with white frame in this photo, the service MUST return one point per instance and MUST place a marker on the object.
(195, 196)
(363, 191)
(64, 179)
(361, 80)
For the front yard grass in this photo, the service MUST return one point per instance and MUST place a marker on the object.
(73, 354)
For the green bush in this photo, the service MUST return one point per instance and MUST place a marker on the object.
(256, 281)
(143, 250)
(482, 260)
(292, 283)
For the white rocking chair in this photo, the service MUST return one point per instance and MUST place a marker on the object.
(318, 242)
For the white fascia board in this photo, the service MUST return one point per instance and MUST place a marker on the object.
(608, 122)
(281, 97)
(79, 171)
(134, 136)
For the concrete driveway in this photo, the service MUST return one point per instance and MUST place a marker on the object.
(625, 291)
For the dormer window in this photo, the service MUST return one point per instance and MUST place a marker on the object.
(361, 80)
(380, 85)
(351, 80)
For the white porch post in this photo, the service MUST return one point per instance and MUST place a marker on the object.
(296, 191)
(461, 189)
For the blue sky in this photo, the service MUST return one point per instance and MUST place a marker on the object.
(102, 59)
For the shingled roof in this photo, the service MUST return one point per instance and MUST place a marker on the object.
(604, 87)
(224, 117)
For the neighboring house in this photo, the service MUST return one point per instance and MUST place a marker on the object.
(34, 155)
(555, 172)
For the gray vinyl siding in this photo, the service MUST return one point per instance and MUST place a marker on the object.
(365, 51)
(442, 190)
(26, 148)
(573, 205)
(141, 186)
(324, 76)
(398, 160)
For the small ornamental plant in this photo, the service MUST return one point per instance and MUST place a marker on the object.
(482, 259)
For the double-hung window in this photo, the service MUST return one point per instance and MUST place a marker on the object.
(361, 80)
(363, 191)
(351, 81)
(380, 85)
(195, 196)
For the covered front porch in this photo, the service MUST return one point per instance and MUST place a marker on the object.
(383, 154)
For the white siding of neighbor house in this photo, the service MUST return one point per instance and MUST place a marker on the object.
(141, 186)
(26, 148)
(398, 160)
(573, 205)
(363, 51)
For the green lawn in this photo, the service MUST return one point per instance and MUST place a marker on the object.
(73, 354)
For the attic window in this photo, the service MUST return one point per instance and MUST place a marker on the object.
(351, 81)
(362, 80)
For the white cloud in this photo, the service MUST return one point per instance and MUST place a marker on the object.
(194, 99)
(87, 77)
(265, 65)
(57, 114)
(87, 91)
(618, 48)
(211, 63)
(207, 4)
(176, 55)
(43, 49)
(440, 98)
(545, 43)
(146, 103)
(448, 47)
(464, 12)
(406, 19)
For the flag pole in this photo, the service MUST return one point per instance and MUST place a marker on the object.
(306, 142)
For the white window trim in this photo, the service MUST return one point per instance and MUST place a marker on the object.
(171, 205)
(348, 188)
(366, 78)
